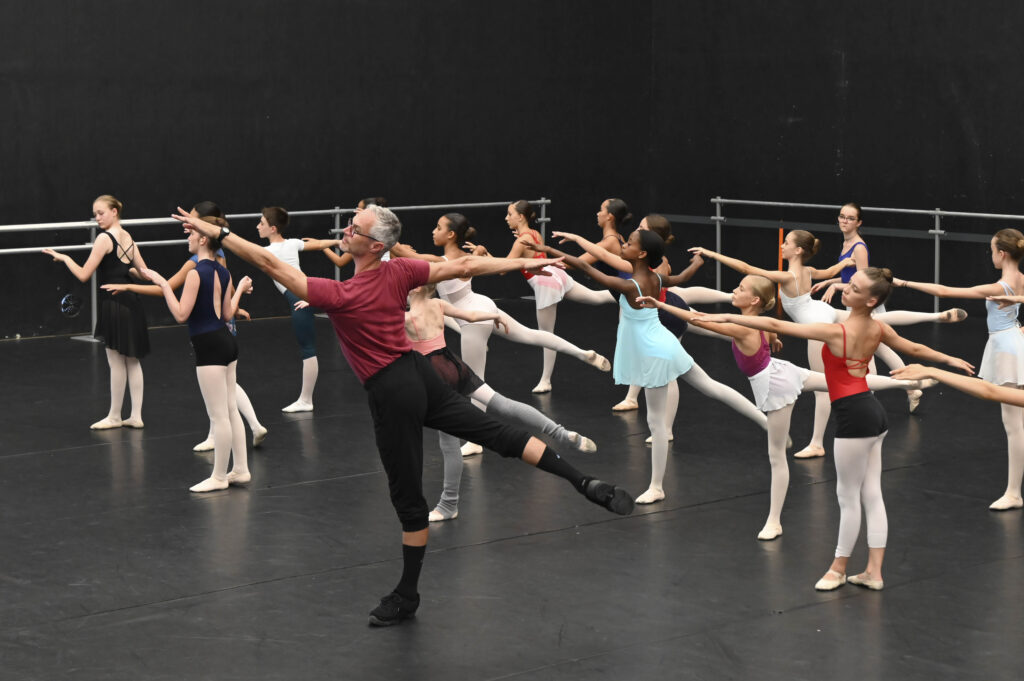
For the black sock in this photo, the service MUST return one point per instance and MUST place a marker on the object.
(551, 462)
(412, 561)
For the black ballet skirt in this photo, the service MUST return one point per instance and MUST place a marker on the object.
(121, 321)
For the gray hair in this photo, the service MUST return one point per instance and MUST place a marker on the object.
(387, 228)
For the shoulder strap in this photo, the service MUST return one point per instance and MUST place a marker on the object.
(844, 340)
(640, 292)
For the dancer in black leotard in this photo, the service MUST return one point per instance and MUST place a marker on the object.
(122, 321)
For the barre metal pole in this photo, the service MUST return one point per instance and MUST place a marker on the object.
(90, 336)
(544, 220)
(718, 241)
(937, 231)
(337, 228)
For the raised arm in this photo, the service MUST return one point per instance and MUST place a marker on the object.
(975, 387)
(731, 330)
(291, 278)
(232, 297)
(597, 251)
(901, 344)
(831, 272)
(823, 332)
(480, 265)
(940, 291)
(180, 309)
(742, 267)
(100, 248)
(319, 244)
(406, 251)
(614, 283)
(679, 279)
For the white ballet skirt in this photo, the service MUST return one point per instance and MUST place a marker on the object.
(1003, 361)
(548, 291)
(460, 294)
(778, 384)
(806, 310)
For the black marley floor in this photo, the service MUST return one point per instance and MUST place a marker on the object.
(111, 569)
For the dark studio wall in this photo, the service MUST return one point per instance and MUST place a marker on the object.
(316, 104)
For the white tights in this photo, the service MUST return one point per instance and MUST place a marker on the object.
(588, 296)
(859, 485)
(217, 384)
(1013, 423)
(546, 322)
(475, 337)
(124, 369)
(245, 409)
(699, 379)
(657, 406)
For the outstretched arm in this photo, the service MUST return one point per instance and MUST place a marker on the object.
(480, 265)
(597, 251)
(743, 268)
(291, 278)
(472, 315)
(406, 251)
(823, 332)
(831, 272)
(100, 247)
(731, 330)
(901, 344)
(975, 387)
(319, 244)
(679, 279)
(614, 283)
(940, 291)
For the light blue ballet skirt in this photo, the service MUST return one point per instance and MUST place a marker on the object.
(646, 353)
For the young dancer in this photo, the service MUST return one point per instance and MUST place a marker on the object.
(272, 227)
(647, 354)
(122, 320)
(861, 423)
(404, 392)
(208, 300)
(856, 249)
(424, 324)
(245, 408)
(798, 247)
(548, 290)
(776, 383)
(1003, 361)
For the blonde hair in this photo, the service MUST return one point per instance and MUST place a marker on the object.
(112, 202)
(805, 240)
(764, 289)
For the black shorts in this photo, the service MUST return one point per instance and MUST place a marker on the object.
(859, 415)
(454, 372)
(217, 347)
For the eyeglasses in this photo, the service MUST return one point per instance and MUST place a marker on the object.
(353, 232)
(848, 218)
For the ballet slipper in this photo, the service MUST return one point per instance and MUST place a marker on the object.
(584, 444)
(541, 388)
(258, 436)
(204, 446)
(950, 316)
(652, 495)
(239, 477)
(914, 399)
(297, 406)
(1007, 502)
(471, 449)
(211, 484)
(769, 532)
(809, 452)
(600, 362)
(626, 405)
(831, 581)
(865, 580)
(106, 424)
(437, 516)
(133, 423)
(650, 439)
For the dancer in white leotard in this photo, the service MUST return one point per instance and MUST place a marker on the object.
(647, 354)
(797, 248)
(1003, 361)
(776, 383)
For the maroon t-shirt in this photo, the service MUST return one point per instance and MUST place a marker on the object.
(368, 312)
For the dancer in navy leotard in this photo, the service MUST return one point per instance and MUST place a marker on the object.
(122, 320)
(207, 300)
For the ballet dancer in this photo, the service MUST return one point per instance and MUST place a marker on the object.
(1003, 360)
(861, 423)
(548, 290)
(856, 249)
(776, 383)
(245, 408)
(122, 319)
(677, 295)
(272, 227)
(451, 233)
(424, 324)
(798, 247)
(208, 300)
(403, 390)
(647, 354)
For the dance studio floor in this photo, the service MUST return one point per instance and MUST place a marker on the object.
(111, 569)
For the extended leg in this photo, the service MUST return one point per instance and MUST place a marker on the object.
(521, 334)
(699, 379)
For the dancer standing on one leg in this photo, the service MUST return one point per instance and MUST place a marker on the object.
(122, 320)
(861, 423)
(776, 383)
(424, 324)
(205, 209)
(405, 393)
(547, 291)
(208, 300)
(1003, 361)
(647, 354)
(272, 227)
(795, 285)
